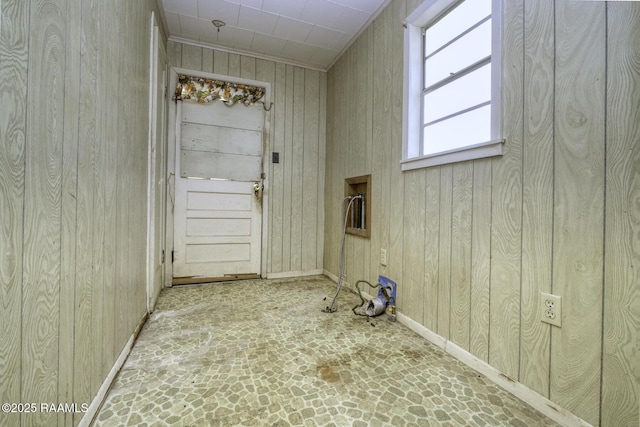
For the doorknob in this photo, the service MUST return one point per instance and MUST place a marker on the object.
(257, 189)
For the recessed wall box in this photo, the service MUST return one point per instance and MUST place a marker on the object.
(359, 218)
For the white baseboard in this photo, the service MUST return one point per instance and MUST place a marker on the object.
(530, 397)
(97, 401)
(288, 274)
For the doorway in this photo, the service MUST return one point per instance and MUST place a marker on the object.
(218, 180)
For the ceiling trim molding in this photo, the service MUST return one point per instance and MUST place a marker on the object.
(246, 53)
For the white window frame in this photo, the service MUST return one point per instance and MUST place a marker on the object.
(412, 127)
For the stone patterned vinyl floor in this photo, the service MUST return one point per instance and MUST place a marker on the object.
(262, 353)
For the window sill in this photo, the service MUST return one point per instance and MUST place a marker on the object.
(479, 151)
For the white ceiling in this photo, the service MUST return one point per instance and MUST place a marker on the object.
(310, 33)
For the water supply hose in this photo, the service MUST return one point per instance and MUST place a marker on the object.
(333, 307)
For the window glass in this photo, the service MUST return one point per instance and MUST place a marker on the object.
(465, 92)
(466, 129)
(463, 17)
(463, 52)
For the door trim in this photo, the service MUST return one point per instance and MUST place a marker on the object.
(157, 116)
(172, 132)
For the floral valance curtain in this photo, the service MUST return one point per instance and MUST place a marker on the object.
(204, 90)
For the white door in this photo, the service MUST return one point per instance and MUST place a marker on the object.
(218, 213)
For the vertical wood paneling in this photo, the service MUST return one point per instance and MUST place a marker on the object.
(358, 99)
(59, 338)
(191, 57)
(288, 165)
(579, 206)
(380, 173)
(234, 65)
(66, 344)
(277, 170)
(174, 53)
(111, 63)
(480, 260)
(371, 254)
(337, 172)
(86, 186)
(247, 67)
(297, 154)
(537, 191)
(351, 114)
(42, 209)
(367, 78)
(14, 27)
(431, 248)
(444, 252)
(99, 253)
(412, 299)
(620, 366)
(123, 178)
(322, 158)
(131, 175)
(342, 168)
(348, 157)
(309, 165)
(395, 62)
(507, 205)
(207, 60)
(332, 228)
(461, 252)
(220, 62)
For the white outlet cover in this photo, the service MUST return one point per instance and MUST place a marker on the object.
(551, 309)
(383, 257)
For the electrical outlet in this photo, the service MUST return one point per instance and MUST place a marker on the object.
(551, 309)
(383, 257)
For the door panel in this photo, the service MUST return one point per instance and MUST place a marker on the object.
(218, 218)
(218, 114)
(218, 226)
(212, 138)
(202, 164)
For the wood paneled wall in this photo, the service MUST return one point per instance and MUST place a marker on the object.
(295, 186)
(73, 189)
(473, 244)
